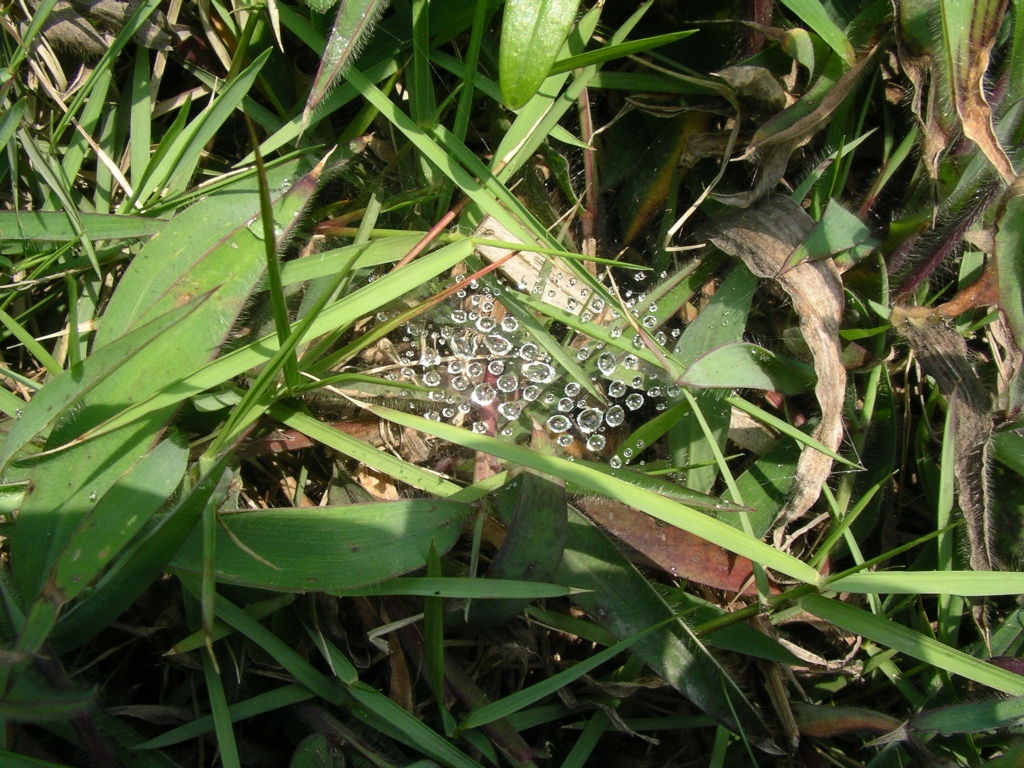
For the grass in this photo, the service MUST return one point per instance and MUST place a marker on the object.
(671, 416)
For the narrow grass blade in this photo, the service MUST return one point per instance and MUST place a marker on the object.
(279, 698)
(914, 644)
(653, 504)
(221, 717)
(610, 52)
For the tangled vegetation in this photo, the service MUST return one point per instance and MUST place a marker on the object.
(531, 383)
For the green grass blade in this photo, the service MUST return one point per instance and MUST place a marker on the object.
(649, 502)
(609, 52)
(912, 643)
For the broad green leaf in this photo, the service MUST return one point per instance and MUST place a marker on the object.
(327, 548)
(352, 27)
(532, 33)
(748, 366)
(73, 390)
(209, 245)
(623, 602)
(140, 564)
(838, 231)
(721, 322)
(105, 531)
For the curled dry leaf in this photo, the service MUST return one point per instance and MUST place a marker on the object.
(764, 236)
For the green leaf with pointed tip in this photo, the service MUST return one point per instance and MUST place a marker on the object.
(532, 33)
(748, 366)
(328, 548)
(970, 717)
(352, 28)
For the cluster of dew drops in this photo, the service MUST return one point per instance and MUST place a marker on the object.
(483, 371)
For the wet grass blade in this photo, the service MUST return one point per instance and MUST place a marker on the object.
(352, 27)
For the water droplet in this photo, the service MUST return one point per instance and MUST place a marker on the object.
(529, 351)
(617, 388)
(455, 367)
(634, 401)
(484, 394)
(17, 413)
(640, 445)
(485, 324)
(572, 389)
(475, 370)
(509, 324)
(631, 362)
(511, 410)
(660, 337)
(615, 416)
(596, 443)
(615, 462)
(572, 305)
(531, 392)
(649, 321)
(565, 405)
(507, 431)
(432, 378)
(597, 304)
(583, 353)
(92, 496)
(559, 423)
(564, 440)
(498, 345)
(507, 382)
(550, 398)
(463, 345)
(234, 246)
(460, 383)
(458, 316)
(480, 427)
(448, 413)
(627, 453)
(538, 372)
(654, 392)
(606, 363)
(674, 391)
(637, 382)
(590, 419)
(430, 357)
